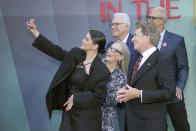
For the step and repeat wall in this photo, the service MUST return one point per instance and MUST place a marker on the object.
(25, 72)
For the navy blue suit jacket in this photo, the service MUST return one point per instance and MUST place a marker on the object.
(174, 47)
(133, 53)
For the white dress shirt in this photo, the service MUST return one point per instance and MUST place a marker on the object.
(146, 55)
(161, 39)
(125, 39)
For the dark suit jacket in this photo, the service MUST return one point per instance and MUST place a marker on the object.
(176, 51)
(133, 53)
(87, 104)
(156, 79)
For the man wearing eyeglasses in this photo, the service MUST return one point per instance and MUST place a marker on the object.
(174, 47)
(120, 28)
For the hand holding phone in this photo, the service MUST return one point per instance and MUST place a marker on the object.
(31, 23)
(32, 27)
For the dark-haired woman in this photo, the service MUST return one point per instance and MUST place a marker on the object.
(79, 86)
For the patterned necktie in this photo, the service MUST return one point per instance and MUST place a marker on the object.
(135, 67)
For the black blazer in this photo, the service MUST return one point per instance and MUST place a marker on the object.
(156, 79)
(95, 89)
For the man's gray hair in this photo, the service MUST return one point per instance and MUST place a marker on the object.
(162, 10)
(149, 29)
(124, 16)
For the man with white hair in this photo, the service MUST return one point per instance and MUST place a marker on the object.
(120, 28)
(174, 47)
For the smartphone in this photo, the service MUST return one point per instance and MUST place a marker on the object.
(30, 23)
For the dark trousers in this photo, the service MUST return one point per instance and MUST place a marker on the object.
(65, 123)
(178, 116)
(134, 122)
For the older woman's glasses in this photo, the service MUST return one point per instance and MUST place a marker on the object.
(113, 50)
(152, 18)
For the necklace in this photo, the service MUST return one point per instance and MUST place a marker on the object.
(88, 63)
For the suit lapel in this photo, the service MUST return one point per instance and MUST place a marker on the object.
(92, 72)
(128, 42)
(148, 64)
(93, 64)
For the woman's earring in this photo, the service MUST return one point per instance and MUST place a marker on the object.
(119, 63)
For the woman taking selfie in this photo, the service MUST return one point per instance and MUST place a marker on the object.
(79, 86)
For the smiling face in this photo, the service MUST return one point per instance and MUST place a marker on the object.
(118, 27)
(114, 53)
(138, 40)
(87, 43)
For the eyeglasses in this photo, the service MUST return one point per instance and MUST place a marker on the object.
(152, 18)
(113, 50)
(115, 24)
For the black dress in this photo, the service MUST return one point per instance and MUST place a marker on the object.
(77, 81)
(89, 92)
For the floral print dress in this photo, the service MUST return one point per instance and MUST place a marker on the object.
(117, 80)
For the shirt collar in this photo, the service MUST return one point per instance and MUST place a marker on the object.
(162, 35)
(148, 52)
(125, 39)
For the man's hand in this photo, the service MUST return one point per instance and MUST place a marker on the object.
(179, 93)
(127, 93)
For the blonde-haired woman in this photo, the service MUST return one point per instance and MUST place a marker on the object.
(117, 61)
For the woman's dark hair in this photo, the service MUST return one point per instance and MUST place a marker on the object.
(99, 38)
